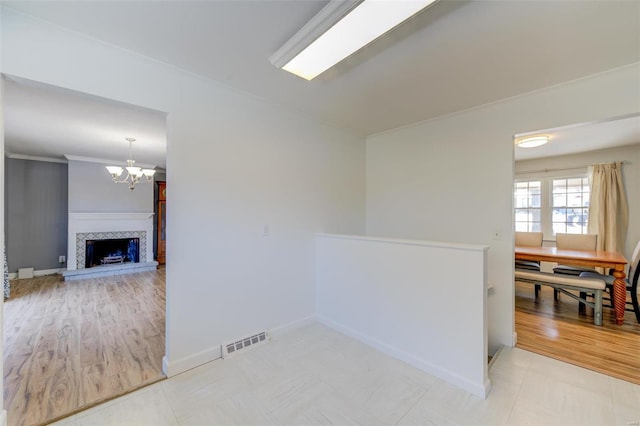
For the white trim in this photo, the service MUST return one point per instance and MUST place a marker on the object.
(469, 247)
(495, 356)
(293, 325)
(3, 418)
(35, 158)
(111, 216)
(44, 272)
(577, 125)
(334, 11)
(105, 161)
(506, 99)
(172, 368)
(39, 273)
(478, 389)
(108, 222)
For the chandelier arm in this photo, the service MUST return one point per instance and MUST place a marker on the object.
(134, 174)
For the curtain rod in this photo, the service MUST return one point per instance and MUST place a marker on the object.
(564, 169)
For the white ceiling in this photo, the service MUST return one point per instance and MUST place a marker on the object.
(47, 121)
(620, 131)
(454, 56)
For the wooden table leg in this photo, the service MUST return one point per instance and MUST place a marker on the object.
(619, 295)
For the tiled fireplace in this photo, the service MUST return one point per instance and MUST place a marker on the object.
(85, 227)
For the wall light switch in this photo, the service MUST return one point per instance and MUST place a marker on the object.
(266, 231)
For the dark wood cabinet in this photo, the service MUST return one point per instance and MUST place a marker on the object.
(162, 220)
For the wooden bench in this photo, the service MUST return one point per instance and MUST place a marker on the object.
(563, 283)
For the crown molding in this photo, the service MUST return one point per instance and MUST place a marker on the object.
(105, 161)
(35, 158)
(318, 25)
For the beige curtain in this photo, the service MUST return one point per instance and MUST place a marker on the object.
(608, 210)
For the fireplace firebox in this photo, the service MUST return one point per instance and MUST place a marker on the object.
(112, 251)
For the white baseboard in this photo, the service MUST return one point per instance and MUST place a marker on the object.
(40, 273)
(293, 325)
(478, 389)
(172, 368)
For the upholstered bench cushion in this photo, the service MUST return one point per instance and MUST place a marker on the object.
(571, 270)
(561, 280)
(526, 264)
(609, 279)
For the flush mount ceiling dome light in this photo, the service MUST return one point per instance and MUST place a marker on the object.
(532, 141)
(340, 29)
(134, 174)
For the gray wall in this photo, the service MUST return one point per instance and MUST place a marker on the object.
(91, 190)
(35, 213)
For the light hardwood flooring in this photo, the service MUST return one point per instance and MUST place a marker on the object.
(557, 330)
(70, 345)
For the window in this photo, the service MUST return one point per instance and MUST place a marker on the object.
(552, 205)
(570, 205)
(527, 202)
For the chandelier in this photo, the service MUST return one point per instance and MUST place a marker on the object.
(134, 174)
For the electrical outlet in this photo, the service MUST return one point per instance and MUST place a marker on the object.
(62, 259)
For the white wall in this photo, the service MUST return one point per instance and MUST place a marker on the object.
(400, 297)
(91, 190)
(630, 175)
(236, 163)
(450, 179)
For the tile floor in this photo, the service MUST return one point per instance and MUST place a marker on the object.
(315, 375)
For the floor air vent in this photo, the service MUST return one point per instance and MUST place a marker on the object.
(244, 343)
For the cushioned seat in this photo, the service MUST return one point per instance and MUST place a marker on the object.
(631, 282)
(574, 242)
(529, 239)
(562, 283)
(591, 283)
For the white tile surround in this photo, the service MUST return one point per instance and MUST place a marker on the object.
(83, 226)
(314, 375)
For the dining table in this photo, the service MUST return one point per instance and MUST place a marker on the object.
(589, 258)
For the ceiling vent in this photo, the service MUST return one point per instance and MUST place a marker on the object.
(229, 349)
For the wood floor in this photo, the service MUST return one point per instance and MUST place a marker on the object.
(556, 330)
(70, 345)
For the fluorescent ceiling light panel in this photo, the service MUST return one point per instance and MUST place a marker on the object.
(366, 22)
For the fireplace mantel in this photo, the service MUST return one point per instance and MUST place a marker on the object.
(109, 216)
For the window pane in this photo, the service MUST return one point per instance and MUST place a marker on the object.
(574, 200)
(570, 205)
(536, 227)
(534, 215)
(522, 227)
(559, 227)
(535, 201)
(559, 200)
(522, 185)
(559, 185)
(574, 185)
(527, 203)
(559, 215)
